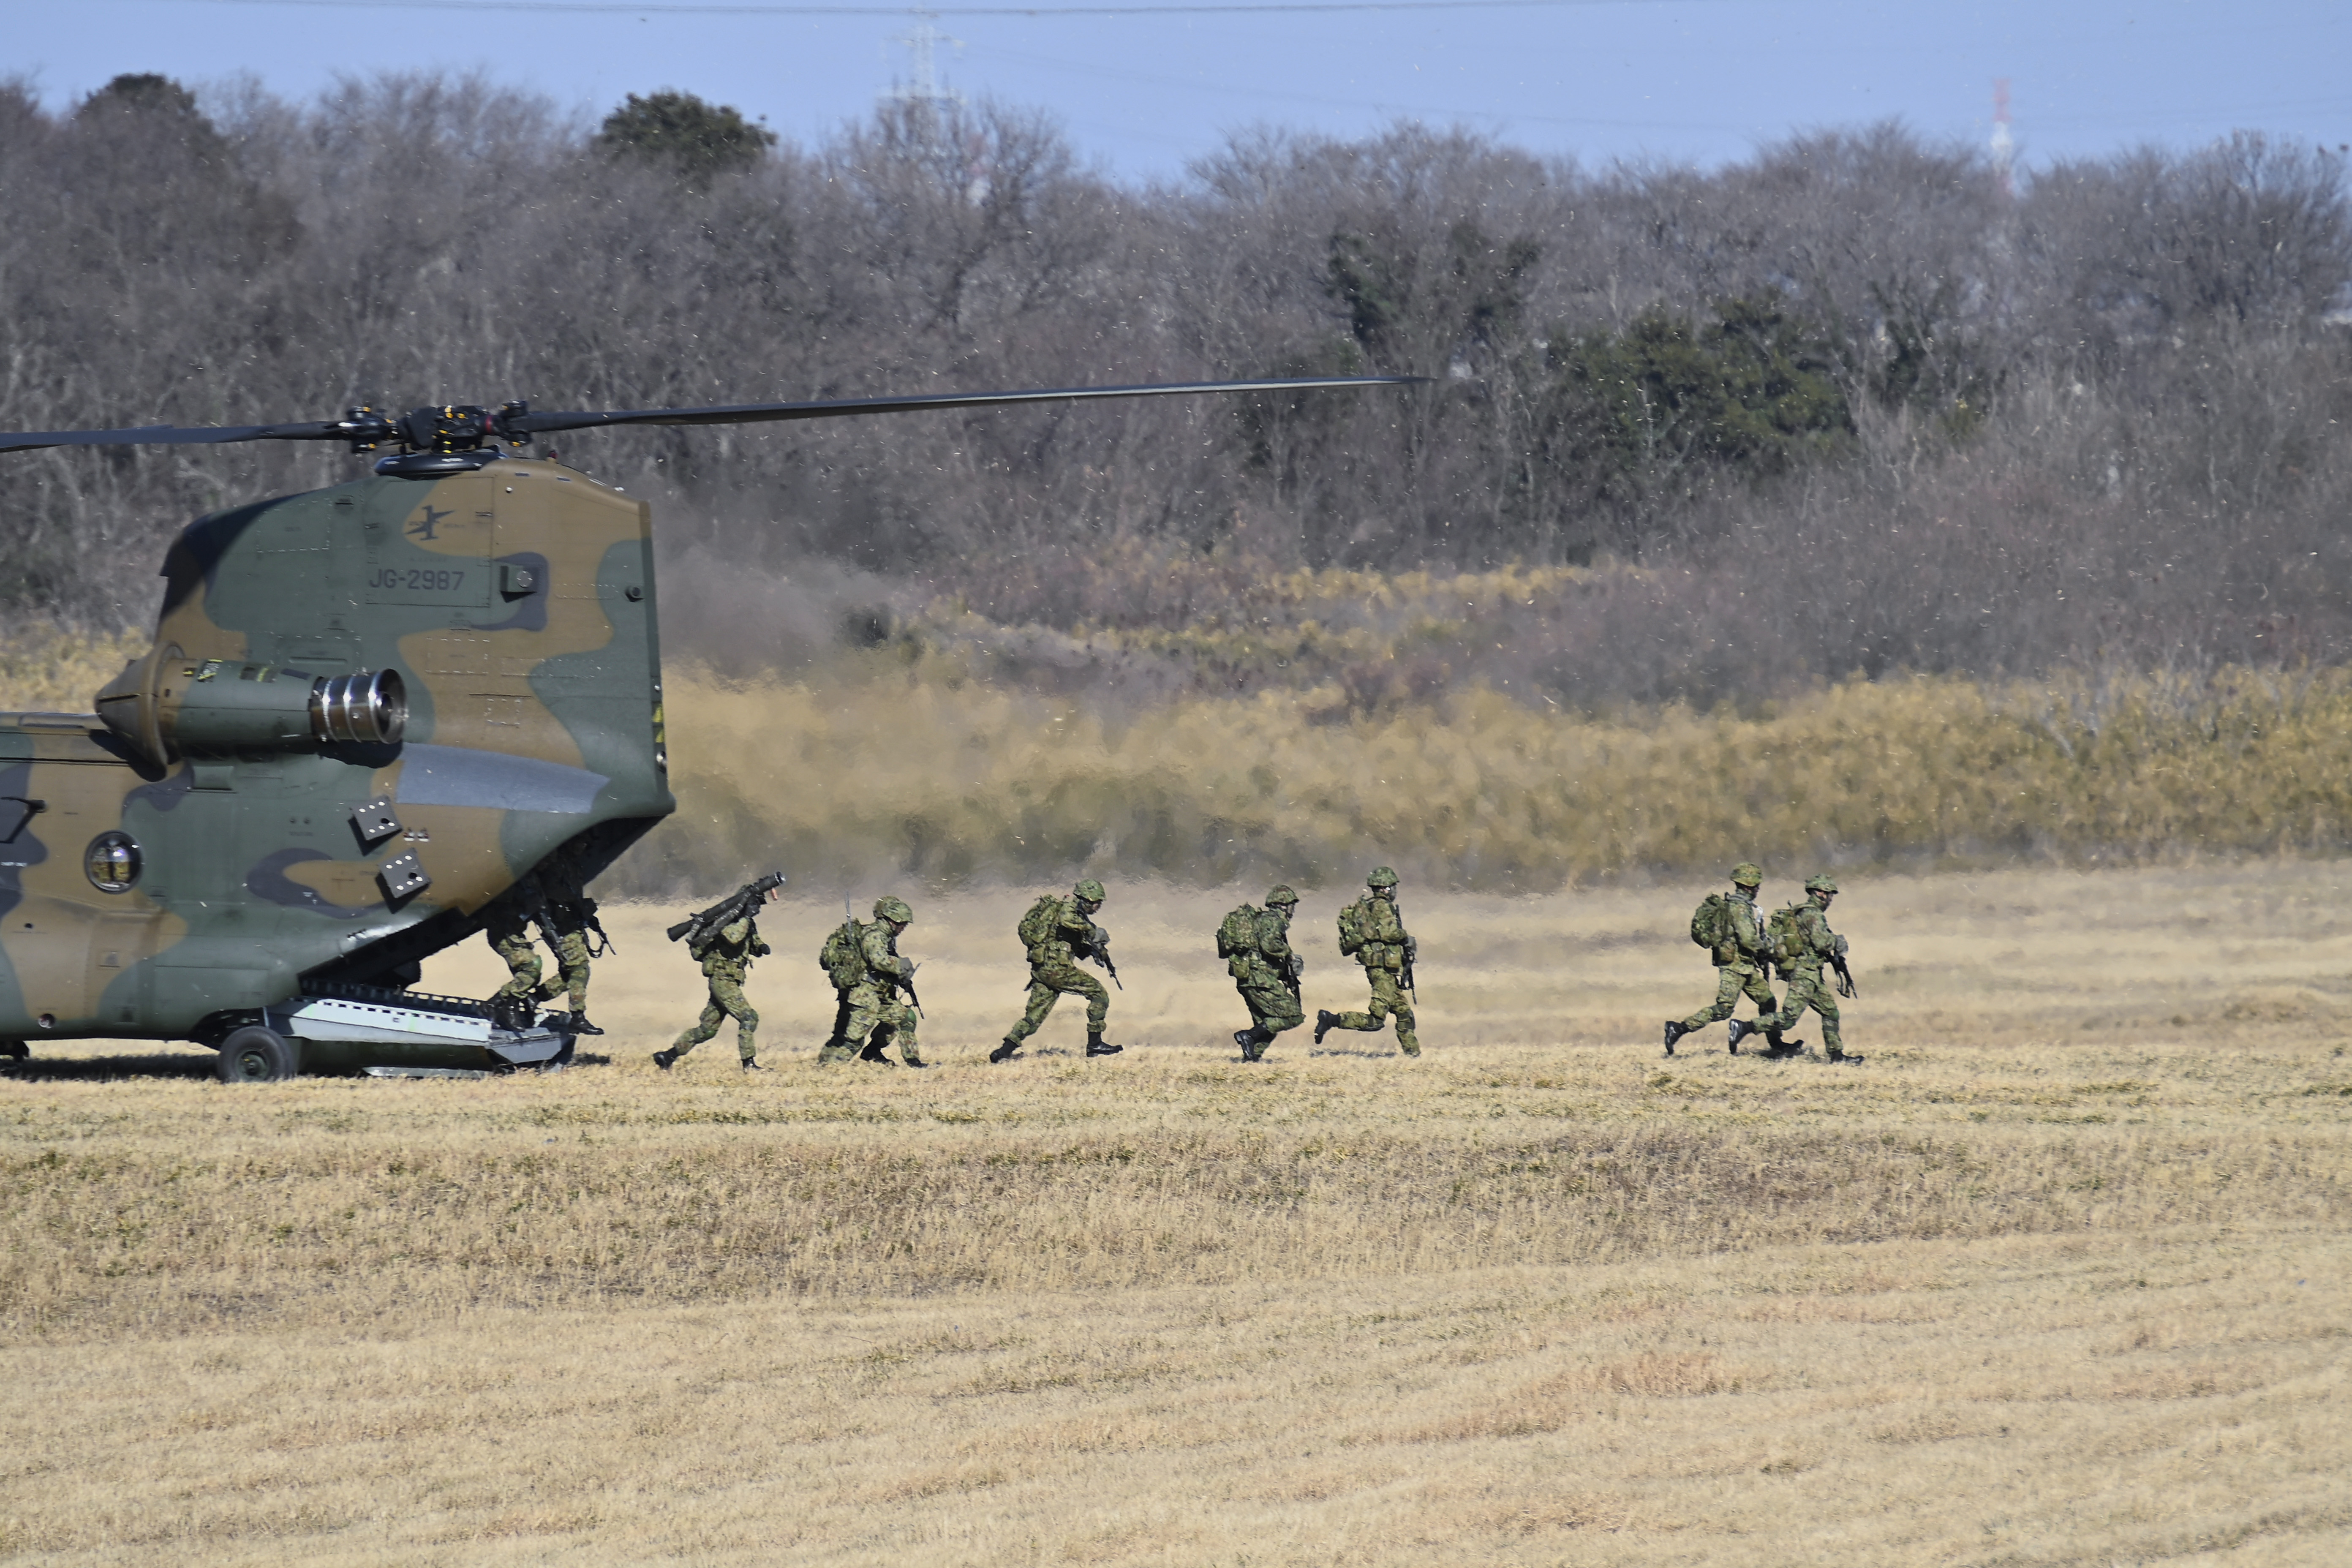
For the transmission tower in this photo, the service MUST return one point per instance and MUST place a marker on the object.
(2004, 148)
(926, 94)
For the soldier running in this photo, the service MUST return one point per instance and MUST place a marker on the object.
(1732, 930)
(725, 955)
(1372, 930)
(1058, 933)
(1255, 945)
(1807, 945)
(866, 971)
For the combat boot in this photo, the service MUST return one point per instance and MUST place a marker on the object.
(665, 1060)
(1324, 1021)
(1674, 1031)
(1247, 1041)
(751, 1064)
(1003, 1052)
(1845, 1057)
(917, 1062)
(1097, 1047)
(1740, 1029)
(580, 1025)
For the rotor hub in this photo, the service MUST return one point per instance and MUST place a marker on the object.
(454, 438)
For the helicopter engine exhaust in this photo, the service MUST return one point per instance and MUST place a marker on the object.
(218, 708)
(370, 707)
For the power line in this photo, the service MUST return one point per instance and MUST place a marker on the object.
(1385, 106)
(1150, 8)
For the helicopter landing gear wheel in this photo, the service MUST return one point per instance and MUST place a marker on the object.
(256, 1055)
(15, 1050)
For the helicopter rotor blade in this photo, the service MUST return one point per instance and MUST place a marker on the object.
(368, 425)
(172, 436)
(831, 408)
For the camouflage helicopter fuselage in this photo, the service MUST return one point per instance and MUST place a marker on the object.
(221, 833)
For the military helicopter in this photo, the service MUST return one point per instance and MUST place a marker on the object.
(369, 713)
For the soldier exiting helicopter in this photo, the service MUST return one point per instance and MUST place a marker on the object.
(566, 917)
(507, 928)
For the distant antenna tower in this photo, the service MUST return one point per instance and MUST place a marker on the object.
(925, 92)
(2004, 148)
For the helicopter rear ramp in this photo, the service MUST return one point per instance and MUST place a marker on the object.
(356, 1027)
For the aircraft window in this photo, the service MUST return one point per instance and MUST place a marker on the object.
(113, 862)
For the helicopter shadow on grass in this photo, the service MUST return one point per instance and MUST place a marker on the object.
(192, 1064)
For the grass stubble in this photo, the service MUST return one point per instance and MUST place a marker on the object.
(2056, 1277)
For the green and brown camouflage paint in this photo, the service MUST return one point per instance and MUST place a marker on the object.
(515, 602)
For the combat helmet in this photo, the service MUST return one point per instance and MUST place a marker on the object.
(1089, 891)
(1747, 874)
(1825, 883)
(1281, 897)
(1382, 876)
(894, 910)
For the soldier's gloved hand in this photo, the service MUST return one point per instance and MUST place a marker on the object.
(1411, 949)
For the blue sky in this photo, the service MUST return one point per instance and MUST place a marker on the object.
(1142, 93)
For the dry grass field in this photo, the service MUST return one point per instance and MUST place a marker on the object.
(2057, 1276)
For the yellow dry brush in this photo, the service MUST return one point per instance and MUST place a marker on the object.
(918, 766)
(909, 758)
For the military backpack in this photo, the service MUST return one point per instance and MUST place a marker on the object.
(1237, 932)
(1351, 929)
(1042, 924)
(1711, 924)
(843, 957)
(1782, 937)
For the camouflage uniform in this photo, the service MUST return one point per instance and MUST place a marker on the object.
(1267, 976)
(1813, 946)
(1379, 942)
(563, 923)
(1739, 965)
(726, 961)
(1053, 971)
(870, 1015)
(508, 930)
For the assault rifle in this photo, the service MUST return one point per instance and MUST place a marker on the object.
(743, 901)
(1099, 949)
(605, 942)
(1845, 987)
(907, 983)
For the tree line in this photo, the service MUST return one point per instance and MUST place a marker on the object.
(1849, 404)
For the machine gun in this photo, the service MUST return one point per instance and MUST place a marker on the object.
(743, 900)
